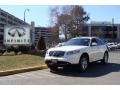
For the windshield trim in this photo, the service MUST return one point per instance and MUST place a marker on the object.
(67, 43)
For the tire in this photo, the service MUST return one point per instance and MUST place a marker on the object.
(53, 68)
(83, 63)
(105, 58)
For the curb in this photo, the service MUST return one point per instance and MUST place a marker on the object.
(21, 70)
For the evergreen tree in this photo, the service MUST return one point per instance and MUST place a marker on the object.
(41, 44)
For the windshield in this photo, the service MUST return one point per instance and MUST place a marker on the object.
(79, 41)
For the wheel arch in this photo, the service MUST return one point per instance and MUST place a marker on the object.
(84, 54)
(107, 53)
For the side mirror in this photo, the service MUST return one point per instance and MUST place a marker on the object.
(94, 44)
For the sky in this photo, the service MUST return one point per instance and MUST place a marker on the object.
(40, 13)
(103, 13)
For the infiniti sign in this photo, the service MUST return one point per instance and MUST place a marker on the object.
(16, 30)
(17, 35)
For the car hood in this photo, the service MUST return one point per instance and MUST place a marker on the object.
(67, 48)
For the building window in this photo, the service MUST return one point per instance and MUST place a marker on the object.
(3, 14)
(1, 38)
(1, 30)
(15, 20)
(111, 32)
(9, 22)
(1, 25)
(2, 19)
(10, 17)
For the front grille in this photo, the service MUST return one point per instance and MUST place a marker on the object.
(58, 63)
(56, 53)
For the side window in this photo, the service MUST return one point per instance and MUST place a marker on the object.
(94, 42)
(99, 42)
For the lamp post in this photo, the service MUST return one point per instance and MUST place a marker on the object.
(25, 13)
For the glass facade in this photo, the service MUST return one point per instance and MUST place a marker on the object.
(110, 32)
(105, 32)
(85, 31)
(1, 38)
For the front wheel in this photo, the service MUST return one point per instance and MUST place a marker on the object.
(53, 68)
(105, 59)
(83, 64)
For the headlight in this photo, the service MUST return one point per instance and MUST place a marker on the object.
(73, 52)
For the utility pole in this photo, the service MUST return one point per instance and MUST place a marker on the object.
(65, 32)
(113, 29)
(89, 29)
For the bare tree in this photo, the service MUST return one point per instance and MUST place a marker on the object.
(79, 17)
(59, 16)
(69, 18)
(54, 31)
(54, 12)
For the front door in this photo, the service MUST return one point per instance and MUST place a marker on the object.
(94, 50)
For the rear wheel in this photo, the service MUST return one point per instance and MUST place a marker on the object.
(105, 58)
(83, 63)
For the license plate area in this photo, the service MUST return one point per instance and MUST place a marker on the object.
(54, 60)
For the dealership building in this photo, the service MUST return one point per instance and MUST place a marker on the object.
(105, 30)
(8, 19)
(44, 32)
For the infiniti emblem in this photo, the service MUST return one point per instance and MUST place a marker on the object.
(16, 30)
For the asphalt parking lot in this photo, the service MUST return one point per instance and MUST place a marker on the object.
(97, 74)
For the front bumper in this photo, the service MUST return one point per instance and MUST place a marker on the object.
(55, 62)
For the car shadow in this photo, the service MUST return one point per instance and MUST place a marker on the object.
(95, 70)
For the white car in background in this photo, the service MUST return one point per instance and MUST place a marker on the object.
(112, 46)
(118, 45)
(77, 51)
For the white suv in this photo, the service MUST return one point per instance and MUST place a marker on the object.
(77, 51)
